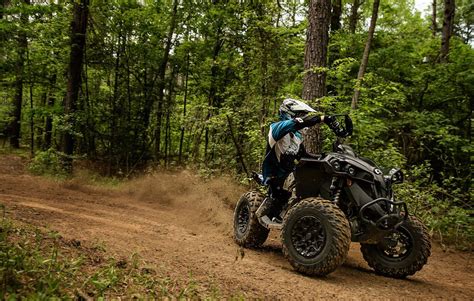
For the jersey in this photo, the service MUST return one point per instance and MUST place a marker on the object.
(284, 144)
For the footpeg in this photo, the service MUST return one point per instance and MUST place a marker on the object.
(269, 224)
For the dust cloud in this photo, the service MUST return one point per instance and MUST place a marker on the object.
(198, 200)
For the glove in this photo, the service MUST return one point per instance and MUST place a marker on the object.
(311, 117)
(335, 126)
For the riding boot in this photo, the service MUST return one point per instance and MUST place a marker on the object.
(275, 211)
(266, 207)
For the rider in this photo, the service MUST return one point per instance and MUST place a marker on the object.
(284, 147)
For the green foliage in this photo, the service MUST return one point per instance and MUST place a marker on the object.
(47, 163)
(31, 268)
(39, 266)
(445, 210)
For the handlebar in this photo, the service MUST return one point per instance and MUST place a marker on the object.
(339, 130)
(347, 128)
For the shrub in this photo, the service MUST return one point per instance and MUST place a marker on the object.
(47, 163)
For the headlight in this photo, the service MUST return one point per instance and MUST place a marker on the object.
(351, 170)
(336, 165)
(396, 175)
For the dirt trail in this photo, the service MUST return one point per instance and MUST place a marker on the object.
(182, 226)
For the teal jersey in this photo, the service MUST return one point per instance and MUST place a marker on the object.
(284, 144)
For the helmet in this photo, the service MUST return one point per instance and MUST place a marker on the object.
(292, 108)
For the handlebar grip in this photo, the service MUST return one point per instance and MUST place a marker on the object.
(348, 125)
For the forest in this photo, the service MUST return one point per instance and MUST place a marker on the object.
(129, 130)
(130, 84)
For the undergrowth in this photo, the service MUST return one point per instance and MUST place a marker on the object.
(445, 210)
(42, 265)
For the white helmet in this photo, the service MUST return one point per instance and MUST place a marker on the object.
(292, 108)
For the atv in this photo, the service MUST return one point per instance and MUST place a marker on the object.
(337, 198)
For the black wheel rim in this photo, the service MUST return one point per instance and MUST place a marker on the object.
(397, 245)
(308, 236)
(243, 218)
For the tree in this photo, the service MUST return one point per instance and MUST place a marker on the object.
(434, 22)
(365, 56)
(448, 22)
(336, 15)
(354, 15)
(78, 41)
(161, 76)
(315, 61)
(15, 124)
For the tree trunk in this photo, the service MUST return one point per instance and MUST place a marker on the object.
(32, 115)
(48, 127)
(15, 124)
(78, 41)
(40, 131)
(115, 104)
(212, 97)
(169, 105)
(365, 56)
(185, 98)
(161, 78)
(240, 154)
(354, 16)
(448, 24)
(315, 56)
(434, 23)
(336, 15)
(335, 50)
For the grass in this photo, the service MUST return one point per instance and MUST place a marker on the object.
(42, 265)
(22, 152)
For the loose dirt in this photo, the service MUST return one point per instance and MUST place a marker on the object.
(182, 227)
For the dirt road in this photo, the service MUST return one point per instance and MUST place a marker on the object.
(181, 226)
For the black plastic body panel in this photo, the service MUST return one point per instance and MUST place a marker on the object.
(313, 176)
(312, 179)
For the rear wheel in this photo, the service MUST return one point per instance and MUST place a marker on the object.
(248, 232)
(402, 253)
(316, 236)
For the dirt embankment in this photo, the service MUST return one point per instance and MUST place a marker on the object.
(181, 226)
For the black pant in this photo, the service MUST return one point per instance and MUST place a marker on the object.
(278, 194)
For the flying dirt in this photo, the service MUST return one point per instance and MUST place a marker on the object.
(182, 226)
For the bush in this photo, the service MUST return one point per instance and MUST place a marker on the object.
(47, 163)
(446, 212)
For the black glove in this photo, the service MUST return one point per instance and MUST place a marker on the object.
(308, 120)
(335, 126)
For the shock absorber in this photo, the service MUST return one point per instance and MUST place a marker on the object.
(337, 194)
(335, 190)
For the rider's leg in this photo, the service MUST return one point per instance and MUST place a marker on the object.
(277, 198)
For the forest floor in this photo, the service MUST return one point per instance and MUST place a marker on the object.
(181, 227)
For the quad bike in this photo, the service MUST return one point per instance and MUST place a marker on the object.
(335, 198)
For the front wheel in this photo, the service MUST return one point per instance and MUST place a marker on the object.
(402, 253)
(316, 236)
(248, 232)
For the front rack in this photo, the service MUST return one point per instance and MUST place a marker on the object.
(398, 213)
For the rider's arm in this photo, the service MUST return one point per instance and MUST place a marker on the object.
(279, 129)
(308, 122)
